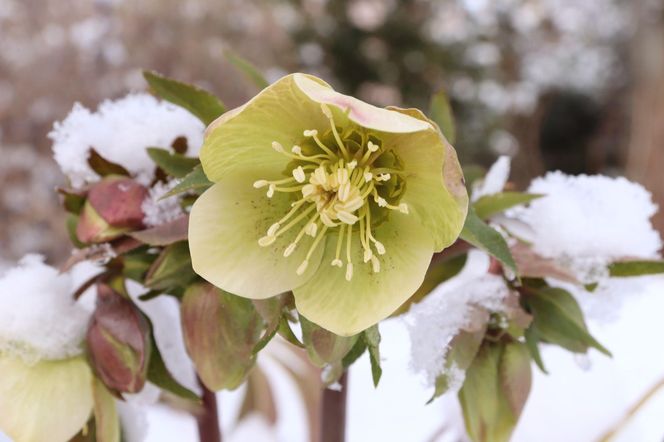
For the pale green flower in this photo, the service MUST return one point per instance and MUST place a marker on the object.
(337, 200)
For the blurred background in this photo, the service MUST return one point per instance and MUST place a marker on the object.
(556, 84)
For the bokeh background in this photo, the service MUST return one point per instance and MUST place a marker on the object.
(555, 84)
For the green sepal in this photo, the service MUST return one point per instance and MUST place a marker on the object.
(371, 337)
(104, 167)
(172, 269)
(199, 102)
(323, 346)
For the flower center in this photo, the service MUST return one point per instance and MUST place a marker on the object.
(344, 181)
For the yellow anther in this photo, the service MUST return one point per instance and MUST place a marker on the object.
(380, 201)
(352, 165)
(266, 240)
(260, 183)
(347, 217)
(326, 110)
(380, 248)
(310, 133)
(337, 263)
(344, 191)
(368, 254)
(297, 150)
(290, 249)
(302, 268)
(270, 190)
(319, 177)
(349, 271)
(278, 147)
(375, 264)
(308, 189)
(298, 174)
(372, 147)
(403, 208)
(383, 177)
(273, 229)
(311, 229)
(368, 176)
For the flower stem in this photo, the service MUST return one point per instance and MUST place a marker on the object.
(208, 419)
(333, 413)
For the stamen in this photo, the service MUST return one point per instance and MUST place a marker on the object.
(340, 239)
(368, 176)
(302, 268)
(290, 249)
(266, 240)
(297, 150)
(349, 263)
(298, 174)
(314, 134)
(273, 229)
(305, 263)
(260, 183)
(278, 147)
(375, 264)
(296, 220)
(347, 217)
(328, 114)
(270, 190)
(349, 271)
(312, 228)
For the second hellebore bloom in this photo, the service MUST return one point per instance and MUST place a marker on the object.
(335, 199)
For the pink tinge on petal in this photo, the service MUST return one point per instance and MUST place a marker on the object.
(364, 114)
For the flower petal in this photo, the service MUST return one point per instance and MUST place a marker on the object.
(348, 307)
(48, 401)
(364, 114)
(435, 190)
(242, 138)
(225, 225)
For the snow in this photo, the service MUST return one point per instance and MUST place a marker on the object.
(120, 131)
(495, 179)
(159, 211)
(447, 309)
(38, 317)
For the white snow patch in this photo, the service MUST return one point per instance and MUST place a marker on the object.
(39, 319)
(120, 131)
(446, 310)
(495, 179)
(160, 211)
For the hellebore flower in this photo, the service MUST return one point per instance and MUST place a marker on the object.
(320, 193)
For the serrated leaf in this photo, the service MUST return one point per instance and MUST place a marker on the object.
(490, 205)
(220, 332)
(558, 319)
(248, 69)
(194, 181)
(174, 164)
(441, 113)
(199, 102)
(481, 235)
(636, 268)
(372, 338)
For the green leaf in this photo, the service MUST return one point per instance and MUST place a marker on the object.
(172, 269)
(247, 69)
(558, 319)
(372, 338)
(107, 423)
(462, 351)
(194, 181)
(482, 236)
(354, 354)
(103, 167)
(532, 343)
(636, 268)
(174, 164)
(199, 102)
(220, 332)
(72, 200)
(515, 375)
(159, 375)
(441, 113)
(490, 205)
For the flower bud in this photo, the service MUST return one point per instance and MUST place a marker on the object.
(113, 207)
(118, 341)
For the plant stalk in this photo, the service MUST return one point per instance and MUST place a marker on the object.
(208, 418)
(333, 413)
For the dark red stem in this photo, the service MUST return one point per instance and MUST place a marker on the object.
(208, 419)
(333, 413)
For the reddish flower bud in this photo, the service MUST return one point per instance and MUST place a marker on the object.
(118, 340)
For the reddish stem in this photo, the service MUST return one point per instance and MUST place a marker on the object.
(333, 413)
(208, 419)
